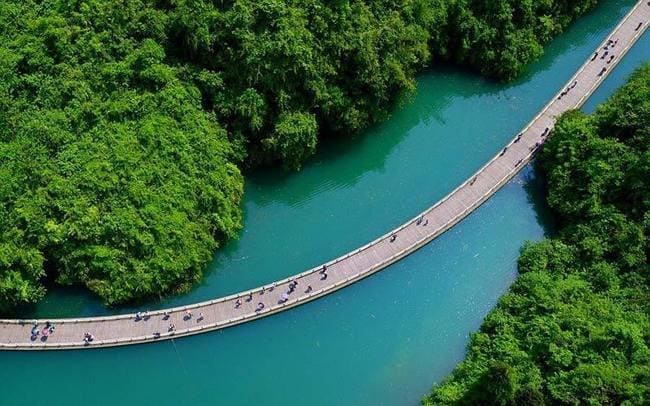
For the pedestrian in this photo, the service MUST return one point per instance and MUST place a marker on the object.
(323, 276)
(534, 147)
(426, 222)
(250, 297)
(35, 331)
(418, 221)
(393, 237)
(200, 318)
(602, 71)
(171, 328)
(165, 315)
(638, 26)
(545, 132)
(260, 306)
(188, 315)
(309, 289)
(594, 57)
(237, 303)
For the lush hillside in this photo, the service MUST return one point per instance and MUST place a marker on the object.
(112, 173)
(281, 73)
(575, 326)
(123, 122)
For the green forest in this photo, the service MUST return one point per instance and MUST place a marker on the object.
(575, 326)
(125, 125)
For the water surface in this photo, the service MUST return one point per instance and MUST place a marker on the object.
(382, 341)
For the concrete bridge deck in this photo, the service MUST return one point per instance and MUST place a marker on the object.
(351, 267)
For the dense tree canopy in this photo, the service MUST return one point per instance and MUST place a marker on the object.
(575, 326)
(341, 64)
(113, 174)
(123, 123)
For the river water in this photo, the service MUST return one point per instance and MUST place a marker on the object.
(382, 341)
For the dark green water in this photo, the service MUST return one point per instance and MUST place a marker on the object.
(384, 340)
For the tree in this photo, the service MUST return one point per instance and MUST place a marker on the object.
(574, 327)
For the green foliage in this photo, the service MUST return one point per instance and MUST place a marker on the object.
(294, 138)
(575, 326)
(346, 61)
(500, 37)
(113, 175)
(121, 122)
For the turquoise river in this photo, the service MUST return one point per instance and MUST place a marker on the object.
(382, 341)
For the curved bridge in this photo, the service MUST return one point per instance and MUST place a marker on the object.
(360, 263)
